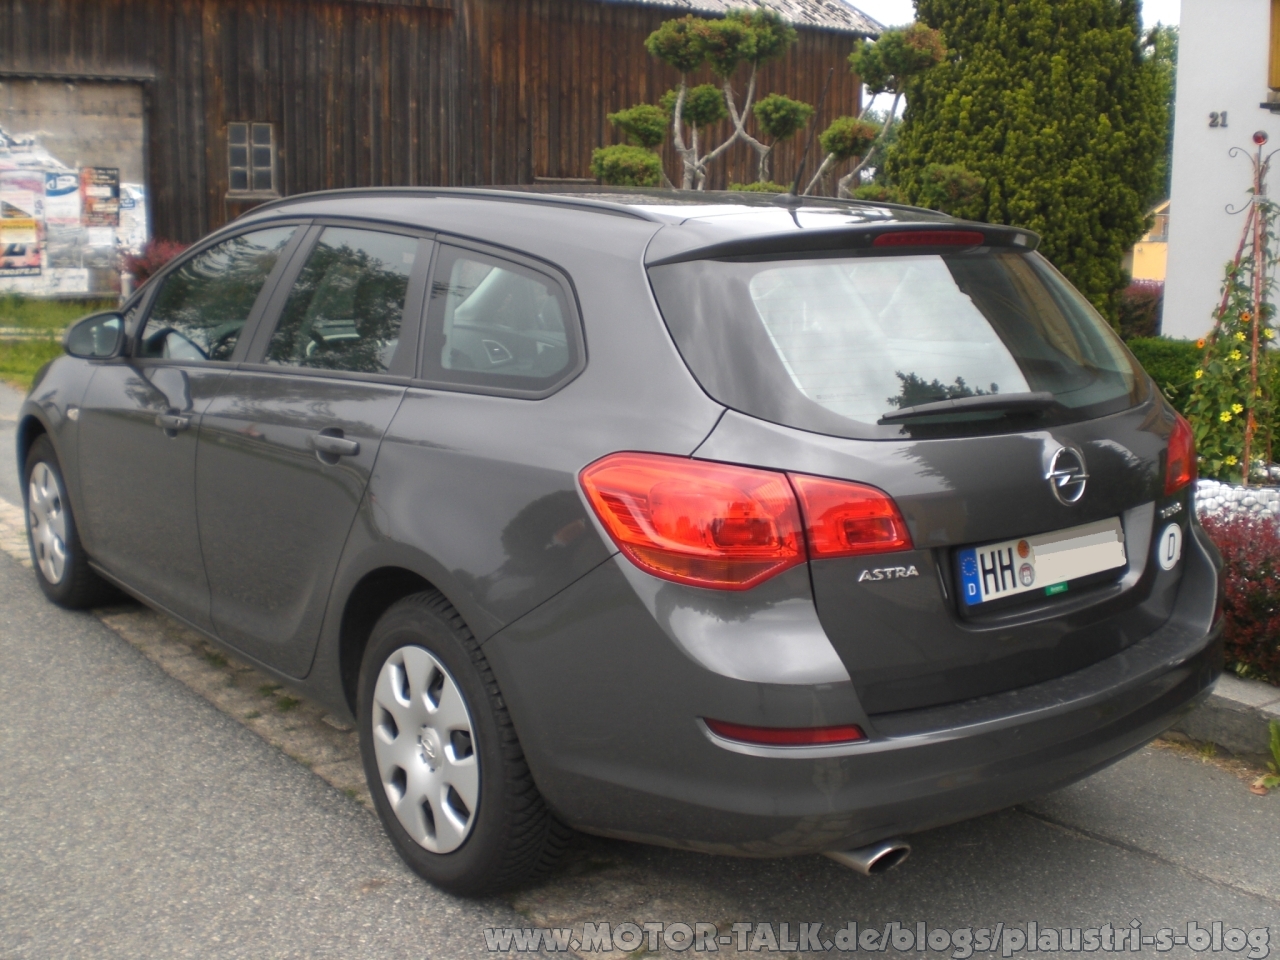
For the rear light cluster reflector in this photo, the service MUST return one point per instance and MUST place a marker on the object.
(1180, 462)
(785, 736)
(930, 238)
(728, 527)
(848, 519)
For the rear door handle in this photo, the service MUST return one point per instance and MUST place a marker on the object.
(334, 446)
(172, 422)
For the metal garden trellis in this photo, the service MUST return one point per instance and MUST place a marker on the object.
(1255, 235)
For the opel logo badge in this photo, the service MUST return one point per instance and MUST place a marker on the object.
(1067, 476)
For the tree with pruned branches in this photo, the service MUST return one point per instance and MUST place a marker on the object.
(748, 38)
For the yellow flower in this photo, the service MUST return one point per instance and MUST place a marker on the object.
(1269, 333)
(1237, 408)
(1199, 374)
(1235, 355)
(1225, 416)
(1230, 460)
(1240, 335)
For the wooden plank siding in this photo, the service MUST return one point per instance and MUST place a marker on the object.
(432, 92)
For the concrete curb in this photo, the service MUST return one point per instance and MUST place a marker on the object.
(1237, 717)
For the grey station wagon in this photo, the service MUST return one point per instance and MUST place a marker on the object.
(745, 526)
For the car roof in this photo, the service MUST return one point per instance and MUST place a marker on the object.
(685, 224)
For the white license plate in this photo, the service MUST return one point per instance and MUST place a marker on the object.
(1044, 563)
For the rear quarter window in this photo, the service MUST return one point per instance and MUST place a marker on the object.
(498, 325)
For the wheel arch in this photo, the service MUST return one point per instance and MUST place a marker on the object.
(371, 597)
(31, 428)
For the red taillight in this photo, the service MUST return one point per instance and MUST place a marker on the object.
(1180, 462)
(785, 736)
(691, 521)
(844, 519)
(728, 527)
(930, 238)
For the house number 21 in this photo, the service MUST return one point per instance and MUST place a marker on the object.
(1218, 119)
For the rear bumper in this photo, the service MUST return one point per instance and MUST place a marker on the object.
(607, 710)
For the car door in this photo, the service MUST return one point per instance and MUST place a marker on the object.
(288, 443)
(140, 417)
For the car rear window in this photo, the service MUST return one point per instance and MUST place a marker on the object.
(834, 344)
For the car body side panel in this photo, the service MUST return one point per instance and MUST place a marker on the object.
(56, 392)
(478, 494)
(138, 479)
(273, 515)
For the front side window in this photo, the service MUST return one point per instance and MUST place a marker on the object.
(203, 305)
(346, 307)
(498, 323)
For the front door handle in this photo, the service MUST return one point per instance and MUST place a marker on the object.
(171, 423)
(330, 448)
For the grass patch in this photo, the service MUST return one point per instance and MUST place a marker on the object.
(21, 360)
(268, 689)
(252, 715)
(51, 316)
(285, 704)
(215, 658)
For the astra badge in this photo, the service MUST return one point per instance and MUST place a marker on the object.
(889, 573)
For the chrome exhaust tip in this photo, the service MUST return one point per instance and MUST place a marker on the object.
(873, 859)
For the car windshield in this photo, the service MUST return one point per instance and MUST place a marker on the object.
(837, 344)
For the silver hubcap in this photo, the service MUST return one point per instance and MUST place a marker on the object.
(47, 522)
(424, 744)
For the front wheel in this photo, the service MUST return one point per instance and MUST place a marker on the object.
(61, 565)
(444, 765)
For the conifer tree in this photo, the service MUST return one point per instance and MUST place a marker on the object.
(1053, 105)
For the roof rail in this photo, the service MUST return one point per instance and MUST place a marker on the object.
(509, 195)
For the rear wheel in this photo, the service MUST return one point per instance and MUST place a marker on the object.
(61, 565)
(444, 765)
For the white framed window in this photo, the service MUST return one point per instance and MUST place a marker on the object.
(251, 158)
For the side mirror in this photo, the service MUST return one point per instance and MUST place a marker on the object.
(98, 337)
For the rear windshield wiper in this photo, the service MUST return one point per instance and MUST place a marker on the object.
(987, 402)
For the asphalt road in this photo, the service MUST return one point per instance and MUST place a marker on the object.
(138, 821)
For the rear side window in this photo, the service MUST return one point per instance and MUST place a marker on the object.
(493, 322)
(345, 309)
(835, 344)
(202, 306)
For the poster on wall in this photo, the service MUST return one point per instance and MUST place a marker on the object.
(63, 233)
(100, 190)
(72, 165)
(132, 233)
(21, 213)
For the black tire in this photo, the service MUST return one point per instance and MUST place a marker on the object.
(78, 587)
(513, 837)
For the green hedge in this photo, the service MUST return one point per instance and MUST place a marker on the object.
(1171, 363)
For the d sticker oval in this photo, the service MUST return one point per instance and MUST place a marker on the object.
(1169, 548)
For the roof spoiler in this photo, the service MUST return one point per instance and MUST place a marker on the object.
(883, 238)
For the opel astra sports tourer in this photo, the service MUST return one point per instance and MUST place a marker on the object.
(745, 526)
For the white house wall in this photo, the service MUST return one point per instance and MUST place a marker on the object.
(1222, 65)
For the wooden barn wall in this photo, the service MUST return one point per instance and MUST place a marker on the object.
(552, 69)
(488, 92)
